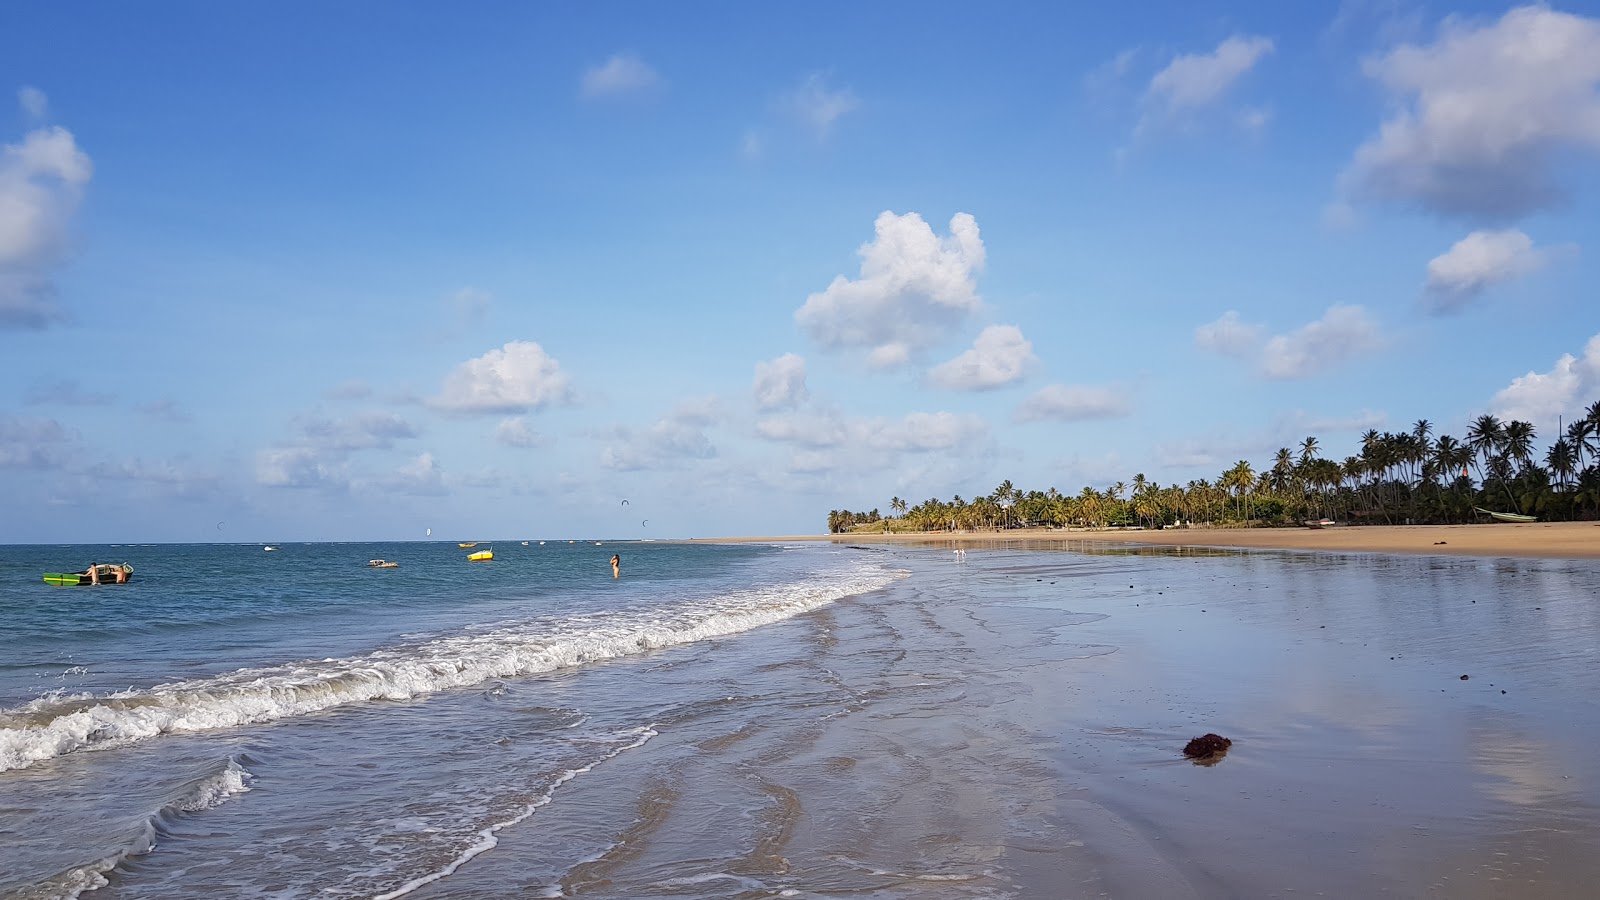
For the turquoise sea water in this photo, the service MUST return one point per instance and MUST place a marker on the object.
(129, 711)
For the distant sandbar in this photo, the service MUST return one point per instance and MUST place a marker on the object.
(1553, 540)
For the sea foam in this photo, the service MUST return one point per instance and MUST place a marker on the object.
(49, 727)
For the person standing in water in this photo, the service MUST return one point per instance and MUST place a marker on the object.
(616, 565)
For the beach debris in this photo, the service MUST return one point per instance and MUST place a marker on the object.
(1464, 678)
(1439, 543)
(1207, 746)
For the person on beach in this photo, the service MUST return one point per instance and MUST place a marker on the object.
(616, 565)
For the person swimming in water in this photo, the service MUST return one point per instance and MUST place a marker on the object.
(616, 565)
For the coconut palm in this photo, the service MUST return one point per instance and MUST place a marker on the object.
(1562, 462)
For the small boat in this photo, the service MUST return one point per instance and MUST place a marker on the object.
(480, 556)
(1506, 517)
(382, 564)
(524, 543)
(1318, 523)
(467, 545)
(269, 548)
(106, 573)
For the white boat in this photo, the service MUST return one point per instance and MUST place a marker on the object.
(269, 548)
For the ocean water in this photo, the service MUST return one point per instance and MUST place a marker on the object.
(747, 721)
(241, 722)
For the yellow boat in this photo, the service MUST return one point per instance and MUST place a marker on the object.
(480, 556)
(468, 545)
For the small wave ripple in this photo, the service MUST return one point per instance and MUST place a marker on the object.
(205, 792)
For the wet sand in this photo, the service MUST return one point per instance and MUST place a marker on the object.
(1548, 540)
(1010, 723)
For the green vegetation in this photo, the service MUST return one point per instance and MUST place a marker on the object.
(1409, 477)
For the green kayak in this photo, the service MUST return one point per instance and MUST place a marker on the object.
(107, 573)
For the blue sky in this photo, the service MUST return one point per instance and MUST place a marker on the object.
(355, 271)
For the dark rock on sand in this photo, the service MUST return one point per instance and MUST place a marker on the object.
(1207, 746)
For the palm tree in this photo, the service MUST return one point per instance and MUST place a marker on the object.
(1562, 462)
(1580, 435)
(1308, 449)
(1484, 437)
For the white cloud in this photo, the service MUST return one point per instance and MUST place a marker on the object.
(913, 288)
(1539, 397)
(361, 431)
(33, 101)
(808, 429)
(915, 432)
(1229, 336)
(1478, 261)
(921, 431)
(1073, 403)
(780, 383)
(1483, 115)
(514, 432)
(298, 467)
(818, 106)
(421, 475)
(999, 356)
(41, 183)
(621, 74)
(669, 442)
(1200, 79)
(1343, 332)
(519, 377)
(33, 443)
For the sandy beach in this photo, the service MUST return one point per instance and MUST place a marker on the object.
(1546, 540)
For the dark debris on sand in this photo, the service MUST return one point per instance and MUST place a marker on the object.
(1207, 746)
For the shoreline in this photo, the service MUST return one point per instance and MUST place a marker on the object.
(1542, 540)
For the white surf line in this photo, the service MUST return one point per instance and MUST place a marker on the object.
(487, 839)
(259, 695)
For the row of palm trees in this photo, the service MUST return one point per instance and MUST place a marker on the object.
(1395, 478)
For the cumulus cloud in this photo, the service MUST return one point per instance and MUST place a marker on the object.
(517, 378)
(914, 286)
(817, 105)
(1478, 261)
(780, 383)
(1539, 397)
(33, 102)
(1000, 356)
(514, 432)
(1229, 336)
(621, 74)
(1074, 403)
(42, 179)
(1483, 114)
(1343, 333)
